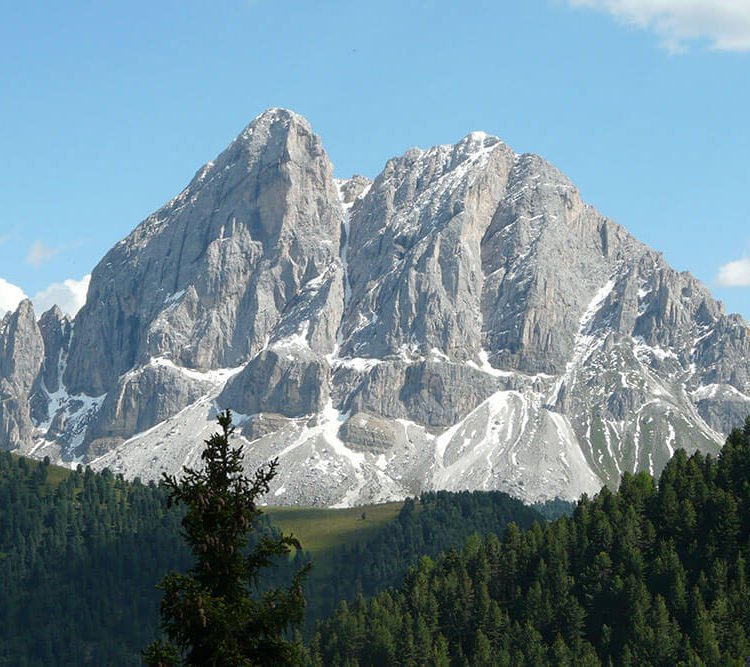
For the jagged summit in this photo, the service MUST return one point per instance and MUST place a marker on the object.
(185, 279)
(269, 132)
(274, 116)
(463, 320)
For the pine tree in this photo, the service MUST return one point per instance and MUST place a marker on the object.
(214, 615)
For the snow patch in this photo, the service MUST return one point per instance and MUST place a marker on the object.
(295, 341)
(172, 298)
(709, 391)
(641, 348)
(215, 377)
(485, 366)
(670, 439)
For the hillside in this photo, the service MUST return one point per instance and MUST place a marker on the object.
(648, 575)
(82, 552)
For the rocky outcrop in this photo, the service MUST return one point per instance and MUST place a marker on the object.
(21, 359)
(432, 393)
(370, 433)
(143, 398)
(415, 250)
(56, 330)
(276, 381)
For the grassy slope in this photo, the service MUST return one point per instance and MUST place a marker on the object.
(321, 530)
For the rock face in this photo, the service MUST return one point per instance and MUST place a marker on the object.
(21, 359)
(465, 320)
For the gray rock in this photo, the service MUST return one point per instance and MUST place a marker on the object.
(722, 404)
(204, 280)
(21, 359)
(287, 381)
(142, 398)
(56, 329)
(414, 254)
(370, 433)
(434, 394)
(262, 424)
(353, 188)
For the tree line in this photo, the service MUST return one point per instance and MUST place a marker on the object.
(80, 559)
(648, 575)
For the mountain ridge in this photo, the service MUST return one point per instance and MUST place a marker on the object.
(463, 320)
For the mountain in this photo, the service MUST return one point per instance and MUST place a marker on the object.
(464, 321)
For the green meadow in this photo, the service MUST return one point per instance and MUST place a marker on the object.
(321, 530)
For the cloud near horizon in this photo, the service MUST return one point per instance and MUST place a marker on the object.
(69, 296)
(10, 296)
(735, 274)
(723, 24)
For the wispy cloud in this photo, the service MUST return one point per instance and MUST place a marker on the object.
(39, 253)
(723, 24)
(10, 296)
(4, 239)
(735, 274)
(69, 296)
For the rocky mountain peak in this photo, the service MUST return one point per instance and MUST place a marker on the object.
(204, 280)
(273, 121)
(464, 320)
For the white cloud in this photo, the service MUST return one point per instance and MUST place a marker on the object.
(724, 24)
(40, 253)
(69, 296)
(735, 274)
(10, 296)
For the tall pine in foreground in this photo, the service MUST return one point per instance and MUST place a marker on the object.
(216, 615)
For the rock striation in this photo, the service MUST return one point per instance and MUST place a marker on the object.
(464, 320)
(21, 363)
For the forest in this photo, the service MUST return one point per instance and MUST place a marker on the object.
(82, 553)
(648, 575)
(654, 573)
(80, 560)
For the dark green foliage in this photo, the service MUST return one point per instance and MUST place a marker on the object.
(217, 614)
(79, 562)
(554, 509)
(645, 576)
(437, 521)
(78, 565)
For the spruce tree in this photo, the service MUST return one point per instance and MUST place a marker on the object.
(214, 615)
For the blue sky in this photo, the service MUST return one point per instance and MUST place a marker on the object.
(108, 109)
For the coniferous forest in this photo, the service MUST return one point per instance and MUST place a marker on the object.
(81, 558)
(649, 575)
(436, 522)
(653, 574)
(79, 562)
